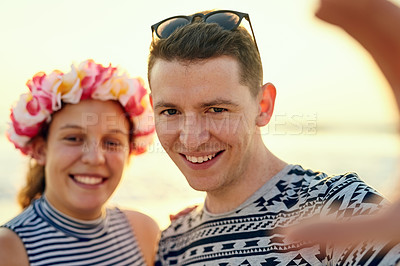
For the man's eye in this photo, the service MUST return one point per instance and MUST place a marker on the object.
(170, 112)
(217, 110)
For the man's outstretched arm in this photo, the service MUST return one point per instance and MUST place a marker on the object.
(375, 24)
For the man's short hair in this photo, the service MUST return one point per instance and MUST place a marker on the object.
(199, 41)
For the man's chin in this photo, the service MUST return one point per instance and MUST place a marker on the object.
(199, 185)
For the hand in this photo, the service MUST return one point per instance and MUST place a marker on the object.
(173, 217)
(384, 226)
(338, 12)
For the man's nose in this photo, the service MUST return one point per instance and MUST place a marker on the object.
(194, 132)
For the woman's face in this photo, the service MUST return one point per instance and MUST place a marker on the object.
(86, 151)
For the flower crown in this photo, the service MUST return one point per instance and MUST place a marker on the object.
(87, 81)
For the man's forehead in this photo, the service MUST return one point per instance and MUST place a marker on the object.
(160, 62)
(223, 70)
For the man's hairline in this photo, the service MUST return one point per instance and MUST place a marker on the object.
(196, 60)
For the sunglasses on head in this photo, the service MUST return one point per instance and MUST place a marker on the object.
(226, 19)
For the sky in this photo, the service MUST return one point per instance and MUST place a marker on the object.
(317, 69)
(325, 81)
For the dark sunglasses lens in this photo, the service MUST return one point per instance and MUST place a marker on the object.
(226, 20)
(165, 29)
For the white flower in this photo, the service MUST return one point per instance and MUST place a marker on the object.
(69, 90)
(24, 118)
(144, 123)
(18, 140)
(131, 88)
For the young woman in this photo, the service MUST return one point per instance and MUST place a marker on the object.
(79, 128)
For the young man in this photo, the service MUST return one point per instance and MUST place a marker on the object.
(209, 100)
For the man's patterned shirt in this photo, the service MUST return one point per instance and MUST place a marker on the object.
(252, 233)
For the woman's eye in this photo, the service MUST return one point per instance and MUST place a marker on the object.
(217, 110)
(112, 144)
(73, 139)
(170, 112)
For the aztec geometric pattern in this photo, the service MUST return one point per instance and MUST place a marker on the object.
(250, 234)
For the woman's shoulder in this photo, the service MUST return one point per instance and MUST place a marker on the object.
(141, 222)
(138, 216)
(12, 250)
(25, 218)
(147, 233)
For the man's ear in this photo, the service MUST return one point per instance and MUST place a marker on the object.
(267, 102)
(39, 150)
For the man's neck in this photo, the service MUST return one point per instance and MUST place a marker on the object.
(263, 167)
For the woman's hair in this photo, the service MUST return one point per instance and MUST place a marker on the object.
(35, 178)
(35, 182)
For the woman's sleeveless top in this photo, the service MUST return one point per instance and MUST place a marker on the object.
(52, 238)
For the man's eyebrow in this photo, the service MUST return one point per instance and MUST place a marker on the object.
(163, 104)
(218, 102)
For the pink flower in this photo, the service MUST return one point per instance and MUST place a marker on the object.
(144, 123)
(35, 83)
(20, 142)
(30, 110)
(33, 106)
(93, 75)
(134, 105)
(42, 88)
(142, 142)
(24, 130)
(38, 102)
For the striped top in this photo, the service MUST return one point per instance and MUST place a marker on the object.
(52, 238)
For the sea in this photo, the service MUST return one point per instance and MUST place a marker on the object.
(153, 185)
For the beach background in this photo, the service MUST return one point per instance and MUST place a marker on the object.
(333, 113)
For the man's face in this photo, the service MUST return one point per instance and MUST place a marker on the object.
(205, 120)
